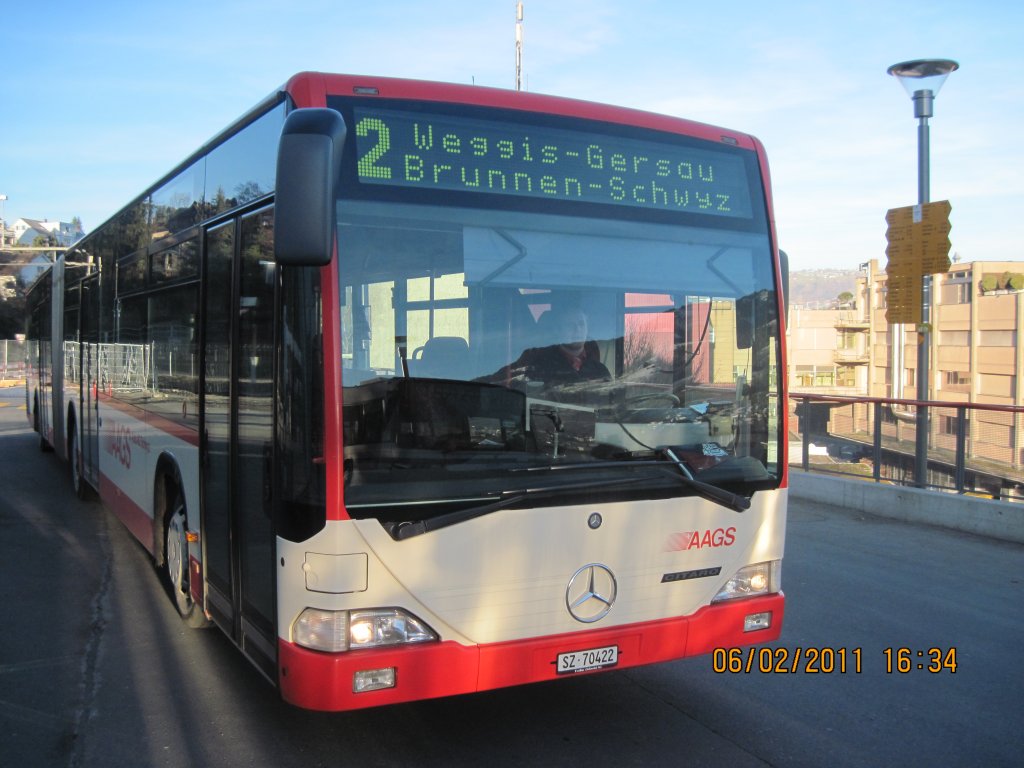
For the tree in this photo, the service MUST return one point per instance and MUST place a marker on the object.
(12, 298)
(844, 298)
(12, 316)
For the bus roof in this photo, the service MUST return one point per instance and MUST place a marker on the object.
(310, 89)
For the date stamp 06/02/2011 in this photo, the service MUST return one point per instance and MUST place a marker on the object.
(827, 660)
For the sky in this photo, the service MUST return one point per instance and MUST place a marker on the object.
(98, 100)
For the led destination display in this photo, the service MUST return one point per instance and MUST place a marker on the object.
(444, 152)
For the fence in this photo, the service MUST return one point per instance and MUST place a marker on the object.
(125, 366)
(972, 448)
(12, 359)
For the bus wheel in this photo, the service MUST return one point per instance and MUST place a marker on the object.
(82, 488)
(177, 565)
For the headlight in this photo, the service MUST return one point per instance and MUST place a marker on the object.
(752, 580)
(336, 631)
(388, 626)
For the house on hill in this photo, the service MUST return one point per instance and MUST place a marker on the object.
(60, 233)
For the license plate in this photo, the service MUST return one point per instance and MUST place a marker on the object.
(584, 661)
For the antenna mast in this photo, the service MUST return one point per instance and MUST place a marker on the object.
(519, 45)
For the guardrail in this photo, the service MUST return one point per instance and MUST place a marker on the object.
(973, 448)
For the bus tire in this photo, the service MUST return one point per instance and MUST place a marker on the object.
(82, 488)
(176, 564)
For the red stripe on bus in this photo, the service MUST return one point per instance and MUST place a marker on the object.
(323, 681)
(128, 512)
(309, 89)
(186, 434)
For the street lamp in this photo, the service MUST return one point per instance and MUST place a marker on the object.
(3, 222)
(922, 79)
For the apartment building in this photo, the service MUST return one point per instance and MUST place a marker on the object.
(828, 349)
(976, 352)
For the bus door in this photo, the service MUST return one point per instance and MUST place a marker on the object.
(89, 330)
(237, 529)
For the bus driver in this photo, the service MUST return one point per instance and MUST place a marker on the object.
(569, 357)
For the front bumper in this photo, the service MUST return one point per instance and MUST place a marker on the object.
(324, 681)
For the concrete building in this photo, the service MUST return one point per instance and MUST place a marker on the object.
(977, 350)
(976, 355)
(828, 352)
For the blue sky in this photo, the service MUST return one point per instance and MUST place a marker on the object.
(100, 99)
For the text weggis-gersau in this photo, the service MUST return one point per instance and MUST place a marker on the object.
(449, 153)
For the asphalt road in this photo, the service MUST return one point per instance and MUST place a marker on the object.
(97, 670)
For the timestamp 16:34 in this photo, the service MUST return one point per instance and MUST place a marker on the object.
(826, 660)
(935, 660)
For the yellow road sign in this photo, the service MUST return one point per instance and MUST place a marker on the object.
(918, 237)
(918, 245)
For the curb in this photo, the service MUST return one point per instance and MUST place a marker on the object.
(984, 517)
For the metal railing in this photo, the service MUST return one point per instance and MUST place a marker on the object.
(972, 448)
(122, 367)
(12, 359)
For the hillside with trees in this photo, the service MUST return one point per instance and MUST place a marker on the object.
(821, 286)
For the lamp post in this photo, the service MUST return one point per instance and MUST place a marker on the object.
(922, 79)
(3, 222)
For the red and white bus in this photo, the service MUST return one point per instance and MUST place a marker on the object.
(418, 389)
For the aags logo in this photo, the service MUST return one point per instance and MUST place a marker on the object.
(120, 441)
(120, 445)
(719, 537)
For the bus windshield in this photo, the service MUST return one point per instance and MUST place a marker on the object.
(482, 345)
(525, 294)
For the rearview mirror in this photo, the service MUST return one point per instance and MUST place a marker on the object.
(308, 169)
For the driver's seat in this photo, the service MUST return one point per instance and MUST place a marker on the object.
(441, 357)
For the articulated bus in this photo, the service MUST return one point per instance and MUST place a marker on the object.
(416, 389)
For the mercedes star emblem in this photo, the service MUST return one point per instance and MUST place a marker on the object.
(591, 593)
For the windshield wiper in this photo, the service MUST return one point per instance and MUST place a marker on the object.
(506, 499)
(733, 501)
